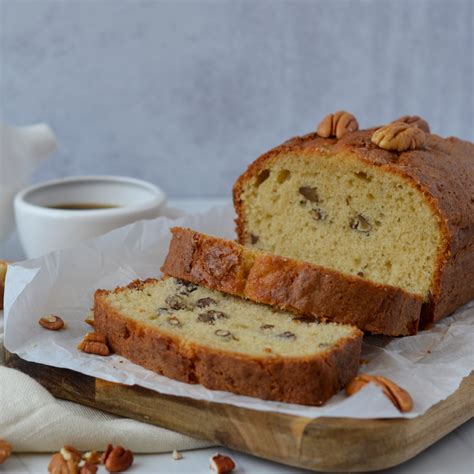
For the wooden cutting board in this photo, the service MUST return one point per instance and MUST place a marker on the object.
(326, 444)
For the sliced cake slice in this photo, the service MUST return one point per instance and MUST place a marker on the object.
(197, 335)
(302, 287)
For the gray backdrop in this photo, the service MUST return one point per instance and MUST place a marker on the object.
(186, 94)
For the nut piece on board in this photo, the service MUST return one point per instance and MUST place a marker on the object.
(177, 455)
(88, 468)
(337, 125)
(92, 457)
(415, 121)
(65, 462)
(117, 459)
(221, 464)
(5, 450)
(399, 136)
(51, 322)
(94, 343)
(397, 395)
(69, 453)
(58, 465)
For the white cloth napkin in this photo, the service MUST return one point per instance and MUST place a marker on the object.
(32, 420)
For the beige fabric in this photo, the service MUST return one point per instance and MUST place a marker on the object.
(31, 419)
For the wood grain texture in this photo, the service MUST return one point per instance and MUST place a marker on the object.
(329, 444)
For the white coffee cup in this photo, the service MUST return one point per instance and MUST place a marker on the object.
(45, 222)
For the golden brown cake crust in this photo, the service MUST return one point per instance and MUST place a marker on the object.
(443, 170)
(297, 286)
(303, 380)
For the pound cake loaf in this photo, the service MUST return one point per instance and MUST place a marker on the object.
(196, 335)
(301, 287)
(394, 205)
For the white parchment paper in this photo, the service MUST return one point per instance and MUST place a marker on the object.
(429, 365)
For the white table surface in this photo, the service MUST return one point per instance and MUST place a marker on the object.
(454, 454)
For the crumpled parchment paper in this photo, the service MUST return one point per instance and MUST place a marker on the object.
(430, 365)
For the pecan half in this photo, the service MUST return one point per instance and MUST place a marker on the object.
(337, 125)
(403, 400)
(65, 462)
(94, 343)
(117, 459)
(415, 121)
(222, 464)
(51, 322)
(5, 450)
(398, 136)
(397, 395)
(57, 465)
